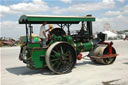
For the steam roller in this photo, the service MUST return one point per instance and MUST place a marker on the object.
(63, 48)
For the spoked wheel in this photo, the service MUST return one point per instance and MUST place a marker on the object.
(60, 57)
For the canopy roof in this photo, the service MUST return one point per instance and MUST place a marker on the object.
(39, 19)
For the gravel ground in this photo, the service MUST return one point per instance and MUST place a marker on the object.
(14, 72)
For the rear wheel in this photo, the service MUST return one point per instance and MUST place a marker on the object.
(60, 57)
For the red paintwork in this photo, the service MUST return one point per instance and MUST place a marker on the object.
(79, 57)
(110, 50)
(109, 45)
(110, 55)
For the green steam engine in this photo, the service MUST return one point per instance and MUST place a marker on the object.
(64, 48)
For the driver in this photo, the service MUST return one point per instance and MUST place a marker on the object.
(42, 34)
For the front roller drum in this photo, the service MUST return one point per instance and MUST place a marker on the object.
(98, 54)
(60, 57)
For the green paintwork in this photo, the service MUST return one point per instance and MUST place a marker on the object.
(38, 62)
(78, 47)
(34, 39)
(68, 38)
(56, 38)
(39, 19)
(87, 46)
(83, 47)
(31, 45)
(34, 54)
(65, 38)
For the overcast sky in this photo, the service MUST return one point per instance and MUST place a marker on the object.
(114, 12)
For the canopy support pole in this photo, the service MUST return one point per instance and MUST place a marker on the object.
(89, 28)
(68, 25)
(26, 33)
(30, 32)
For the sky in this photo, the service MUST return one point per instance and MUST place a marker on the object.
(114, 12)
